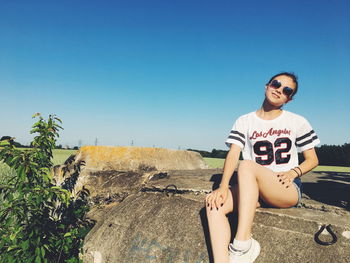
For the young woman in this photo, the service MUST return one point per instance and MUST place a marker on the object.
(269, 139)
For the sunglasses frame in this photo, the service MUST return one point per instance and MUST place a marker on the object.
(287, 91)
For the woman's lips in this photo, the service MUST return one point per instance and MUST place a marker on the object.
(276, 95)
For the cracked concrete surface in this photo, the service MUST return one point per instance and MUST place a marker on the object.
(159, 216)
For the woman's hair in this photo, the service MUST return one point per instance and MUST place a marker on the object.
(290, 75)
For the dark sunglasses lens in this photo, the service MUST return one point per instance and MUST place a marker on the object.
(275, 84)
(287, 91)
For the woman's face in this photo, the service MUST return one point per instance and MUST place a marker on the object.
(277, 95)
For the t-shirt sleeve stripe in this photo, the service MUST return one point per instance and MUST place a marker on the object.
(304, 136)
(236, 138)
(314, 138)
(238, 133)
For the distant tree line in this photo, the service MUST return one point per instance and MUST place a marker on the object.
(66, 147)
(19, 145)
(213, 154)
(335, 155)
(12, 141)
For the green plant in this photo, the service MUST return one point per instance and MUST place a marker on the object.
(40, 222)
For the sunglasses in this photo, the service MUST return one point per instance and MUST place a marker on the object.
(286, 90)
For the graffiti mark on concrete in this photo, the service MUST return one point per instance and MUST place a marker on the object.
(150, 250)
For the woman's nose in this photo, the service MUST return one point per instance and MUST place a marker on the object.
(279, 90)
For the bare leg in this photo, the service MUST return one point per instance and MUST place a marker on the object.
(219, 228)
(255, 180)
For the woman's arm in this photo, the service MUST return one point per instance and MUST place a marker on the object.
(310, 162)
(218, 197)
(230, 165)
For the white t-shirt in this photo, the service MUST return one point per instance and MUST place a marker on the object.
(273, 143)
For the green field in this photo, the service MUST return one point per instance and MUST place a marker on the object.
(219, 163)
(59, 156)
(214, 162)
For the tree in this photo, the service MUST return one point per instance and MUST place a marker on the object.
(11, 140)
(40, 222)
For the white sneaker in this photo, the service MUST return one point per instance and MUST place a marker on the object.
(237, 256)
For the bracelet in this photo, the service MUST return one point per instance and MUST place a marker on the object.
(301, 172)
(296, 172)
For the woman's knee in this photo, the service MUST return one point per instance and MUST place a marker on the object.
(213, 212)
(245, 164)
(246, 168)
(217, 211)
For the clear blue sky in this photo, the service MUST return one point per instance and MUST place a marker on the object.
(169, 73)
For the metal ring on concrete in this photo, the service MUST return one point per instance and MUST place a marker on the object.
(330, 231)
(167, 190)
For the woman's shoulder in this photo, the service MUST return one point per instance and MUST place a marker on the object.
(295, 120)
(246, 117)
(294, 116)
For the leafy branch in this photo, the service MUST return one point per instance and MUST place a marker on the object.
(41, 222)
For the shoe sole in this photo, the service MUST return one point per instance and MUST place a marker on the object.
(256, 251)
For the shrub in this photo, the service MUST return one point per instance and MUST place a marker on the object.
(40, 222)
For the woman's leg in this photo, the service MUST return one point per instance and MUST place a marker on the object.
(255, 180)
(219, 227)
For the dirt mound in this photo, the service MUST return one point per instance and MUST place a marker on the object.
(112, 173)
(136, 158)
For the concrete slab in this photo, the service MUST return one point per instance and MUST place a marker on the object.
(286, 246)
(329, 188)
(151, 226)
(319, 188)
(185, 180)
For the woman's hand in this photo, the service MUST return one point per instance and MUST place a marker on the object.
(217, 198)
(286, 178)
